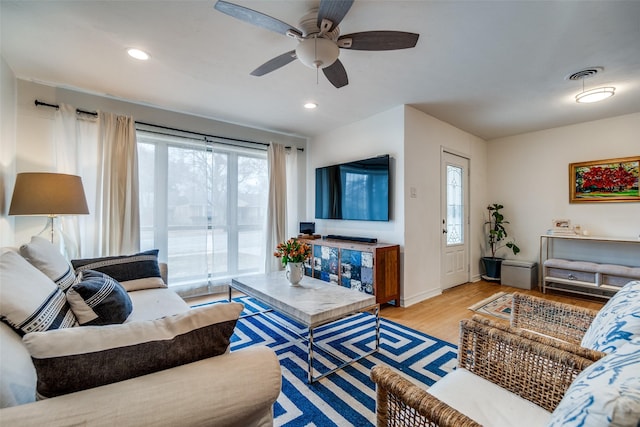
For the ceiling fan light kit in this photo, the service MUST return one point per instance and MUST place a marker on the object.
(319, 40)
(317, 52)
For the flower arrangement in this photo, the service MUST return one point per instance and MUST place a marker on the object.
(292, 251)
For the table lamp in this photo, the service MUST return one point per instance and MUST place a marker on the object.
(49, 194)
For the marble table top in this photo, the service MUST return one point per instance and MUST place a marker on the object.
(312, 303)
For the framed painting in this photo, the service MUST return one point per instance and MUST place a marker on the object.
(610, 180)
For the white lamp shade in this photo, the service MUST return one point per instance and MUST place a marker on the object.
(317, 52)
(37, 193)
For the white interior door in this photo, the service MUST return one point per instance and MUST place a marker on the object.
(455, 220)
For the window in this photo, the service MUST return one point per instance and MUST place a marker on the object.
(203, 204)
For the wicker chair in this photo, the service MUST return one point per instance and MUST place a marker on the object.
(559, 320)
(529, 368)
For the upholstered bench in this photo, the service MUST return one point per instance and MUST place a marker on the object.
(586, 277)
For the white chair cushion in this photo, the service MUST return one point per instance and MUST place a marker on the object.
(617, 322)
(487, 403)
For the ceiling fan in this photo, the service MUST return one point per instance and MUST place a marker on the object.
(319, 39)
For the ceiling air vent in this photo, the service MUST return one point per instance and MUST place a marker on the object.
(583, 74)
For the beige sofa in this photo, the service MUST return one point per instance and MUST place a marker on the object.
(232, 389)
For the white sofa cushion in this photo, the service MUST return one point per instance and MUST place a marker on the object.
(29, 300)
(617, 322)
(73, 359)
(134, 272)
(235, 389)
(487, 403)
(97, 299)
(44, 256)
(17, 374)
(150, 304)
(607, 393)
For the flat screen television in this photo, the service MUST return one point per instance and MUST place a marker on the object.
(354, 190)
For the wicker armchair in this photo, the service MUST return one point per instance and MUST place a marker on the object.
(559, 320)
(531, 369)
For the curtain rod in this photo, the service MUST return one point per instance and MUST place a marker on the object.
(93, 113)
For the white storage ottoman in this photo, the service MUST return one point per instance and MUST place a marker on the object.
(519, 274)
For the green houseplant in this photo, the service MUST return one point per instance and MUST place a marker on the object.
(496, 239)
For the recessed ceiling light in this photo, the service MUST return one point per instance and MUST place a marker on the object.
(138, 54)
(310, 105)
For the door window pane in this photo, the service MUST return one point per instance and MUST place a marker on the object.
(455, 206)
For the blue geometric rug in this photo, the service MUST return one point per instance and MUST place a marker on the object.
(346, 397)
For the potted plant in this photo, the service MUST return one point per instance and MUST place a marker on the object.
(293, 254)
(497, 239)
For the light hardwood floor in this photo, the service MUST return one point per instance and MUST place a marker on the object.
(440, 316)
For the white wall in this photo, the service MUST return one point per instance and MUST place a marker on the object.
(34, 150)
(7, 150)
(425, 138)
(529, 175)
(414, 141)
(376, 135)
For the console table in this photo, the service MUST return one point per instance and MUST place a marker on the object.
(373, 268)
(592, 265)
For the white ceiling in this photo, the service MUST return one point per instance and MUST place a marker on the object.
(492, 68)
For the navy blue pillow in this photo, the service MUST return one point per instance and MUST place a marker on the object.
(97, 299)
(134, 272)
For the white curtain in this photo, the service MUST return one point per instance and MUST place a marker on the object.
(75, 141)
(293, 227)
(276, 228)
(119, 215)
(102, 151)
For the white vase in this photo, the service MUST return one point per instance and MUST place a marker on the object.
(294, 272)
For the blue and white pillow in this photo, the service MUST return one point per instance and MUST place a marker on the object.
(607, 393)
(617, 322)
(97, 299)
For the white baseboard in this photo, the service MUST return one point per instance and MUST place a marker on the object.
(406, 302)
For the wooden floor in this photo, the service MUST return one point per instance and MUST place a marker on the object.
(440, 316)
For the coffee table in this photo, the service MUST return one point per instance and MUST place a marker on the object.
(313, 303)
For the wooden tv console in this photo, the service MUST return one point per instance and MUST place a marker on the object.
(373, 268)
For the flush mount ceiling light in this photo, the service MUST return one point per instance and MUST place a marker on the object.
(310, 105)
(138, 54)
(592, 95)
(595, 95)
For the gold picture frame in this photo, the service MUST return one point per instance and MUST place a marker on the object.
(609, 180)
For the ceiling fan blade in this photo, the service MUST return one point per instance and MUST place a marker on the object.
(334, 11)
(256, 18)
(378, 40)
(275, 63)
(336, 74)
